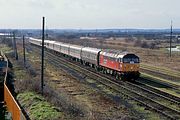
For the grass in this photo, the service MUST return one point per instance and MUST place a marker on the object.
(20, 74)
(90, 80)
(37, 106)
(100, 86)
(148, 115)
(6, 49)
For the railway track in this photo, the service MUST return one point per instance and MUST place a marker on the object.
(171, 80)
(158, 102)
(160, 74)
(173, 98)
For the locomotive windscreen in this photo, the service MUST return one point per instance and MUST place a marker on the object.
(130, 58)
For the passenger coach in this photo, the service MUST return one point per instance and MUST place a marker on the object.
(90, 56)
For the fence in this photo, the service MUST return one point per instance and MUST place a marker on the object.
(11, 104)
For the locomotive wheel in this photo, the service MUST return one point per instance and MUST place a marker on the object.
(117, 76)
(105, 71)
(123, 78)
(81, 62)
(96, 68)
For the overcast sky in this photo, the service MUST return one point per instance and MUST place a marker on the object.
(82, 14)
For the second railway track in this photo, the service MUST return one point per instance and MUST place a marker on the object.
(160, 74)
(171, 80)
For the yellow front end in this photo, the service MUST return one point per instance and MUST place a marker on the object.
(127, 67)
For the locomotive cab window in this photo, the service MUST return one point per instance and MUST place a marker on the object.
(120, 60)
(136, 60)
(126, 60)
(130, 58)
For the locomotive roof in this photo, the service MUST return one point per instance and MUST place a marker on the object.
(114, 53)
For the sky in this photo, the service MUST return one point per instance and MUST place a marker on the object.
(89, 14)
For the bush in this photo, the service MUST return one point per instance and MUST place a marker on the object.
(144, 45)
(137, 43)
(129, 39)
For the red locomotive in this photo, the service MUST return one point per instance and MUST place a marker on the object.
(123, 65)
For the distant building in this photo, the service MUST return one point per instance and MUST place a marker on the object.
(178, 38)
(173, 36)
(88, 38)
(4, 34)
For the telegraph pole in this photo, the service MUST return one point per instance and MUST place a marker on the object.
(14, 46)
(171, 38)
(24, 52)
(42, 58)
(13, 43)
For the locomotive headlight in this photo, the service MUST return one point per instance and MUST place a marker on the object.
(120, 65)
(131, 67)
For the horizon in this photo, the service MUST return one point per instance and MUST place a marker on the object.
(90, 28)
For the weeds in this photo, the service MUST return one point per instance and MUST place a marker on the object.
(31, 82)
(38, 107)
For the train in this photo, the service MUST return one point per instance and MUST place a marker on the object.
(120, 64)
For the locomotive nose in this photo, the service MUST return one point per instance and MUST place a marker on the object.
(131, 68)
